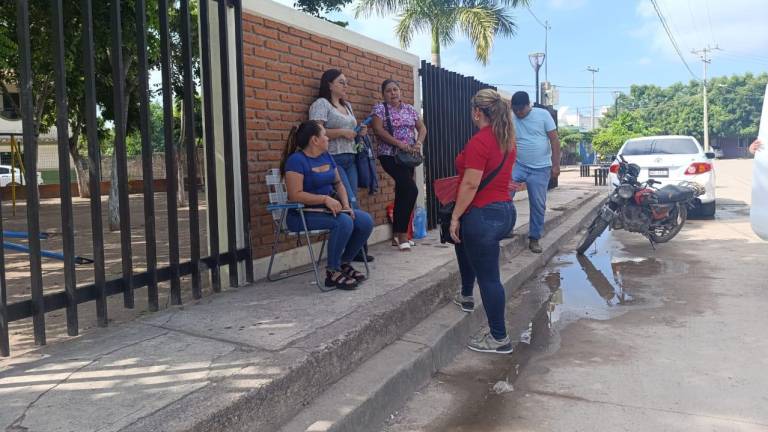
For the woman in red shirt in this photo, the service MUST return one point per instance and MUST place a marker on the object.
(481, 218)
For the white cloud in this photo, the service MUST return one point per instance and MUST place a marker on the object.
(566, 4)
(737, 26)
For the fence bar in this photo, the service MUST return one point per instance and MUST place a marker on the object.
(171, 161)
(210, 147)
(189, 127)
(94, 164)
(245, 184)
(121, 112)
(5, 348)
(30, 164)
(229, 158)
(146, 152)
(65, 182)
(57, 300)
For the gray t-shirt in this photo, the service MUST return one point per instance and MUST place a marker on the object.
(324, 111)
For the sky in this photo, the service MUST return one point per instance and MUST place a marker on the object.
(623, 38)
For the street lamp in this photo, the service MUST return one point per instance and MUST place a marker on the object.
(536, 59)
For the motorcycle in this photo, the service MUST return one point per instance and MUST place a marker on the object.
(657, 214)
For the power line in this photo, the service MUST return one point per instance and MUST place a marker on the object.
(665, 25)
(535, 17)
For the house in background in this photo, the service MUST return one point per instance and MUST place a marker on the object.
(10, 124)
(732, 147)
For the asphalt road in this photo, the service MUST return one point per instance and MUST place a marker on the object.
(632, 339)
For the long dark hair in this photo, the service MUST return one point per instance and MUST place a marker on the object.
(328, 77)
(298, 139)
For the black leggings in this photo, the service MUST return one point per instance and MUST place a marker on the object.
(406, 192)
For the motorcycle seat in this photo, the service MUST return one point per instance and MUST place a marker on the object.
(673, 194)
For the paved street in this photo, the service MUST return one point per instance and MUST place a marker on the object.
(632, 339)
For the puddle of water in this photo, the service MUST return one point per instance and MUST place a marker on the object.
(592, 286)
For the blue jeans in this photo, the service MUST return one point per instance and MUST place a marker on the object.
(478, 256)
(348, 173)
(536, 181)
(346, 238)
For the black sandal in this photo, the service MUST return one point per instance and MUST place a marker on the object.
(335, 278)
(350, 271)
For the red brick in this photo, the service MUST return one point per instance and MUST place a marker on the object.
(278, 106)
(255, 83)
(289, 39)
(264, 31)
(338, 45)
(311, 45)
(319, 39)
(279, 67)
(266, 54)
(276, 45)
(279, 86)
(300, 33)
(300, 52)
(277, 26)
(333, 52)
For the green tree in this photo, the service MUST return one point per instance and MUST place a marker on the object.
(481, 21)
(318, 8)
(609, 139)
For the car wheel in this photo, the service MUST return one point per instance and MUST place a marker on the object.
(707, 209)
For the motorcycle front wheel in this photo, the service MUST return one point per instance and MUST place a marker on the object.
(593, 232)
(665, 234)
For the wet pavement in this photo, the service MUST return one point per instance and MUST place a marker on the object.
(630, 338)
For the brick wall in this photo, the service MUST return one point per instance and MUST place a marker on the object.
(283, 66)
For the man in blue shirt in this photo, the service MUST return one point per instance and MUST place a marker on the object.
(538, 160)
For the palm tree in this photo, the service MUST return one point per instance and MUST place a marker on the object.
(480, 20)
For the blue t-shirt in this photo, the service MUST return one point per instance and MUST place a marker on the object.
(319, 172)
(533, 147)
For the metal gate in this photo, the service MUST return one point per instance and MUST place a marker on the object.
(80, 16)
(446, 98)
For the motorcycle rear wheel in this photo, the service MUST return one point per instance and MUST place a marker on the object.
(665, 235)
(593, 232)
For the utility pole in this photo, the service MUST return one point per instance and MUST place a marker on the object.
(616, 95)
(547, 28)
(705, 60)
(594, 70)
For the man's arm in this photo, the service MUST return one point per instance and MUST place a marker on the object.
(554, 141)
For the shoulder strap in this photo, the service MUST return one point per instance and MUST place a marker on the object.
(493, 173)
(388, 120)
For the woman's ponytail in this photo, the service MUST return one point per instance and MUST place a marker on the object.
(298, 139)
(499, 115)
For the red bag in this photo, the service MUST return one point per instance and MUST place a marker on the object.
(391, 218)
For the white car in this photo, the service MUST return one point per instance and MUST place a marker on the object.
(7, 176)
(671, 160)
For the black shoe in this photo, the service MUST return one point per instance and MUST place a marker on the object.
(359, 258)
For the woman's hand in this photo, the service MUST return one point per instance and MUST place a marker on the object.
(454, 230)
(417, 147)
(755, 146)
(349, 134)
(333, 205)
(348, 210)
(363, 131)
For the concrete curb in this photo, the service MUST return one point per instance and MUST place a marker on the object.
(362, 400)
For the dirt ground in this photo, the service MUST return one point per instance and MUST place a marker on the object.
(17, 264)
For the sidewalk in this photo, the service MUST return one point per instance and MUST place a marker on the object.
(246, 359)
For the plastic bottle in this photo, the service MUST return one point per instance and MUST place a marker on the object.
(759, 209)
(420, 223)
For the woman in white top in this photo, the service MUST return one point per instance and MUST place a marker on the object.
(333, 111)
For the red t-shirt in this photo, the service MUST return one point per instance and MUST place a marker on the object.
(482, 153)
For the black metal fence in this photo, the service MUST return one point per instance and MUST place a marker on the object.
(73, 294)
(446, 99)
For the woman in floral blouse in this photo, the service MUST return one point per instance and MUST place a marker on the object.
(396, 125)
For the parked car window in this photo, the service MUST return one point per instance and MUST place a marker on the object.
(638, 147)
(4, 170)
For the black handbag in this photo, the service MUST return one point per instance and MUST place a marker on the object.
(405, 158)
(445, 212)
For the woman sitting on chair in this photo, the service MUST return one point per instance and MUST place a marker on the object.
(312, 178)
